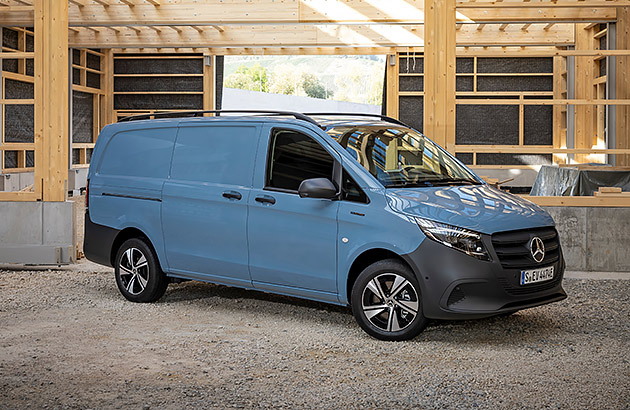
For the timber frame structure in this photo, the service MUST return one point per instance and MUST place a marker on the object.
(65, 47)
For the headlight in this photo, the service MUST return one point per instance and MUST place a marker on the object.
(461, 239)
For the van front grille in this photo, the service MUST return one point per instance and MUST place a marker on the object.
(513, 249)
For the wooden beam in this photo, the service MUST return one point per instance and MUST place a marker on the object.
(198, 28)
(439, 72)
(623, 84)
(324, 36)
(582, 201)
(129, 3)
(102, 3)
(194, 12)
(51, 95)
(177, 29)
(209, 83)
(586, 4)
(217, 28)
(392, 90)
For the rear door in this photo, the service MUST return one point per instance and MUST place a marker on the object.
(204, 205)
(292, 240)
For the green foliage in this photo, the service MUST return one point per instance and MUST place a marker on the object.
(313, 87)
(252, 78)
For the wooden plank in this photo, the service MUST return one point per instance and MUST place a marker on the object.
(623, 84)
(536, 149)
(586, 4)
(320, 36)
(595, 201)
(439, 71)
(531, 101)
(19, 196)
(51, 93)
(392, 91)
(609, 189)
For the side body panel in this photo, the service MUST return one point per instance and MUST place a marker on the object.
(204, 206)
(126, 177)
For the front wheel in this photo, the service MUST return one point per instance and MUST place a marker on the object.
(138, 274)
(386, 301)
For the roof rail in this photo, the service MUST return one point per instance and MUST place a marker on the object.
(354, 114)
(177, 114)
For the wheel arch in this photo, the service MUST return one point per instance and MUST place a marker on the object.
(365, 259)
(129, 233)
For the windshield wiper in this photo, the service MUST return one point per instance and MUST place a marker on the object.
(416, 184)
(448, 181)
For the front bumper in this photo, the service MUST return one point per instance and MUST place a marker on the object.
(457, 286)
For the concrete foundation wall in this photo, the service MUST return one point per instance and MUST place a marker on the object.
(37, 233)
(594, 239)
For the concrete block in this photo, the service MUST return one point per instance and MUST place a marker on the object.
(21, 223)
(58, 221)
(608, 241)
(572, 228)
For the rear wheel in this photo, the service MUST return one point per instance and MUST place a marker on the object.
(138, 274)
(386, 301)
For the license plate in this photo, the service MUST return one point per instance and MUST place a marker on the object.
(536, 275)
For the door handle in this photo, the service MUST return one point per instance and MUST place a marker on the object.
(232, 195)
(266, 199)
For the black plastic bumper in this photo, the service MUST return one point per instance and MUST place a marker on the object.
(457, 286)
(98, 241)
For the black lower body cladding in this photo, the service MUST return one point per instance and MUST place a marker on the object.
(457, 286)
(98, 241)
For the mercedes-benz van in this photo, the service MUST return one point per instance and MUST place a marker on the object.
(348, 209)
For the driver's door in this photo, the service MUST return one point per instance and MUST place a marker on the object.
(292, 240)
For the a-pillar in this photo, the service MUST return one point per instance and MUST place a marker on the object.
(439, 72)
(51, 99)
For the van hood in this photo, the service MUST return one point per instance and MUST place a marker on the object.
(480, 208)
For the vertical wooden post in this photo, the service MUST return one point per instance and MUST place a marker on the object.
(209, 83)
(623, 83)
(107, 105)
(392, 85)
(51, 99)
(439, 72)
(585, 124)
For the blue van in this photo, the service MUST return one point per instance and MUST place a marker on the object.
(347, 209)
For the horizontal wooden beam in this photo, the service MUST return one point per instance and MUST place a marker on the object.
(584, 4)
(578, 201)
(230, 12)
(532, 101)
(319, 36)
(19, 196)
(536, 149)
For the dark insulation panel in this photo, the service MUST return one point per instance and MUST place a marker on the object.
(158, 84)
(82, 116)
(538, 125)
(411, 65)
(509, 83)
(464, 83)
(93, 61)
(464, 65)
(514, 159)
(10, 159)
(218, 74)
(158, 66)
(18, 90)
(9, 65)
(76, 56)
(515, 65)
(10, 38)
(30, 43)
(465, 157)
(19, 123)
(76, 76)
(411, 83)
(486, 124)
(158, 102)
(411, 111)
(19, 119)
(93, 80)
(76, 156)
(30, 158)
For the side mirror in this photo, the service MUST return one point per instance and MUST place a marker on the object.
(317, 188)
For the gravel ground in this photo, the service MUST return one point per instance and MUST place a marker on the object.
(69, 340)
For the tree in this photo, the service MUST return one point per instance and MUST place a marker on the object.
(249, 78)
(312, 86)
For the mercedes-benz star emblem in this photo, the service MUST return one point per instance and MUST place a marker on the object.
(537, 248)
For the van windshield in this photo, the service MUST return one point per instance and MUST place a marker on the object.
(401, 157)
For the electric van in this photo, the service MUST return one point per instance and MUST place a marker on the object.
(348, 209)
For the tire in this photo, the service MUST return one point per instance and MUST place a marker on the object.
(138, 273)
(386, 301)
